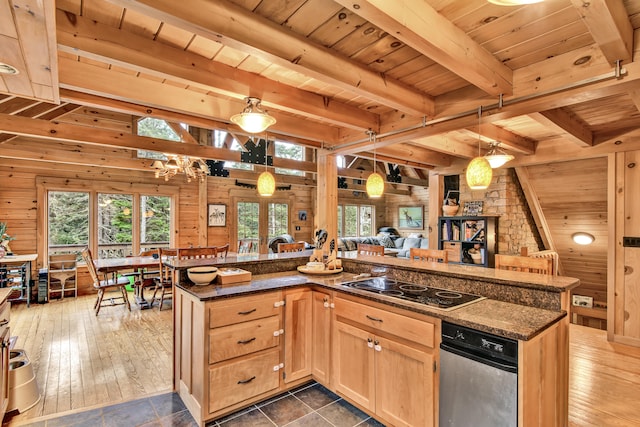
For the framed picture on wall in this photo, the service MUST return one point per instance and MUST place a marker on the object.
(410, 217)
(217, 215)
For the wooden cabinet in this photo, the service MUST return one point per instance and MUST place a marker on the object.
(322, 306)
(469, 239)
(227, 352)
(298, 334)
(385, 361)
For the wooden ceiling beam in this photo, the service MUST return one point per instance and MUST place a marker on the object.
(87, 38)
(420, 26)
(608, 22)
(109, 83)
(95, 101)
(364, 174)
(569, 126)
(234, 26)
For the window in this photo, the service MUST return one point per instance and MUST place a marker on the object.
(341, 161)
(111, 224)
(222, 139)
(155, 128)
(287, 150)
(355, 220)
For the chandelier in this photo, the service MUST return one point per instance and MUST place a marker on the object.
(191, 167)
(253, 118)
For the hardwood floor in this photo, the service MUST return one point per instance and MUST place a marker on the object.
(83, 361)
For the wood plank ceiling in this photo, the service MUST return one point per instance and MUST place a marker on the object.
(415, 72)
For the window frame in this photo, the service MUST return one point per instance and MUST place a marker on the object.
(93, 187)
(359, 206)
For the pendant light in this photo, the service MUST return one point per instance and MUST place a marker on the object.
(496, 156)
(375, 183)
(479, 172)
(253, 118)
(266, 181)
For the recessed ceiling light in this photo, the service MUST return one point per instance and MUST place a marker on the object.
(514, 2)
(8, 69)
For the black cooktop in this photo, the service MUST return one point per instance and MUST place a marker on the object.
(444, 299)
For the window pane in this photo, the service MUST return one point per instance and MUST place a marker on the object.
(248, 223)
(68, 221)
(278, 219)
(340, 234)
(114, 225)
(155, 222)
(366, 220)
(155, 128)
(287, 150)
(222, 139)
(351, 221)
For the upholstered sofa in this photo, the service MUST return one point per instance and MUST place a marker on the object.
(394, 245)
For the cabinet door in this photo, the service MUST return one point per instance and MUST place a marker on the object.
(405, 385)
(321, 332)
(297, 334)
(353, 364)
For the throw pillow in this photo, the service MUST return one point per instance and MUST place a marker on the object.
(411, 242)
(386, 241)
(415, 235)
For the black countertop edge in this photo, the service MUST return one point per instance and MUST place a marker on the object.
(522, 322)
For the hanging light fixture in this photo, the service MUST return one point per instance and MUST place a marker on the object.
(375, 183)
(479, 172)
(266, 181)
(253, 118)
(192, 167)
(496, 156)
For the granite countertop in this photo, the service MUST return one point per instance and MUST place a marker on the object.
(501, 318)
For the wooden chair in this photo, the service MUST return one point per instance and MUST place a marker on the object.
(197, 253)
(291, 247)
(524, 264)
(432, 255)
(102, 285)
(164, 284)
(367, 249)
(222, 251)
(62, 269)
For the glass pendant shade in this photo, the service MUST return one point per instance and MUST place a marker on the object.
(479, 174)
(253, 118)
(496, 156)
(266, 184)
(375, 185)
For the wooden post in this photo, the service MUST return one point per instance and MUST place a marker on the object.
(326, 216)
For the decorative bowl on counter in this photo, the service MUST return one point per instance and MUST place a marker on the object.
(202, 275)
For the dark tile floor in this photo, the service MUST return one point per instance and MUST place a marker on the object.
(311, 405)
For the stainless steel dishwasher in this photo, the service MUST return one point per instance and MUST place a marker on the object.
(478, 379)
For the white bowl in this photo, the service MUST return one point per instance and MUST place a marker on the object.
(315, 266)
(202, 275)
(476, 257)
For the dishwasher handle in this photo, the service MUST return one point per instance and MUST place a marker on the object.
(481, 358)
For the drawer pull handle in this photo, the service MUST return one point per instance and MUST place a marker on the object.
(4, 322)
(278, 332)
(247, 341)
(375, 319)
(244, 313)
(247, 381)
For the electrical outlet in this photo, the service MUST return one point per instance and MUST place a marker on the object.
(583, 301)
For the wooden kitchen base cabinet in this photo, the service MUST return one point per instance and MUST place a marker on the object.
(385, 362)
(322, 313)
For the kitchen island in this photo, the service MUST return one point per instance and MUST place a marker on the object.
(236, 345)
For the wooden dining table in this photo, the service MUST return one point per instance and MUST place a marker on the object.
(137, 264)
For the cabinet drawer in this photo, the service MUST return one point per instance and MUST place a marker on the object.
(242, 338)
(419, 331)
(248, 377)
(242, 309)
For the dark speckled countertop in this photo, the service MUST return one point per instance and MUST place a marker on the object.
(498, 317)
